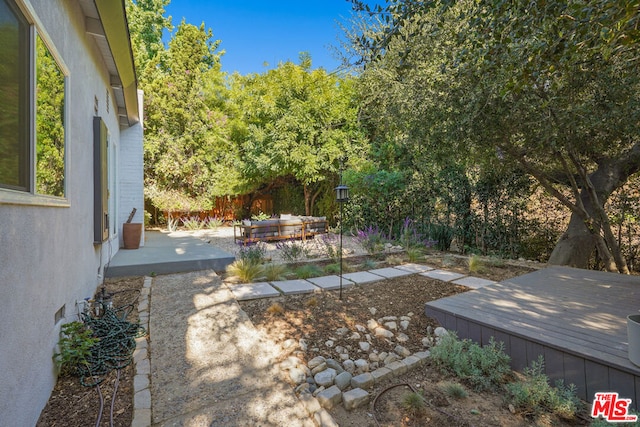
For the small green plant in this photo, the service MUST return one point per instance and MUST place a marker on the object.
(260, 216)
(292, 250)
(455, 390)
(307, 271)
(253, 253)
(245, 270)
(274, 272)
(192, 223)
(475, 264)
(213, 223)
(414, 403)
(393, 260)
(330, 246)
(414, 254)
(333, 268)
(75, 345)
(534, 394)
(369, 264)
(495, 261)
(147, 218)
(482, 367)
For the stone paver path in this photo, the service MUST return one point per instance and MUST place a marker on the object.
(249, 291)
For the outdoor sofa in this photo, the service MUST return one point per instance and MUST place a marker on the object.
(287, 227)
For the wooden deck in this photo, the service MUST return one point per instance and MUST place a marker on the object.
(575, 318)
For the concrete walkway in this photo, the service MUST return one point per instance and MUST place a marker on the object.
(209, 364)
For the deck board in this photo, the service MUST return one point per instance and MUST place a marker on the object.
(575, 318)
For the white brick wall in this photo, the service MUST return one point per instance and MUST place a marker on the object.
(131, 173)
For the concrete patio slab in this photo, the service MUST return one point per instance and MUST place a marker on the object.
(298, 286)
(165, 253)
(414, 268)
(329, 283)
(247, 291)
(474, 282)
(362, 277)
(445, 276)
(390, 272)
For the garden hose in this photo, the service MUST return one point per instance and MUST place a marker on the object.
(116, 344)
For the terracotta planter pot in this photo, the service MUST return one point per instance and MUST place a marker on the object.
(131, 233)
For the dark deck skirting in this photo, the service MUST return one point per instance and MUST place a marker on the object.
(575, 318)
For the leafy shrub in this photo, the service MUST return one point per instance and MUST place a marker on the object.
(442, 234)
(246, 270)
(534, 394)
(369, 264)
(292, 250)
(409, 235)
(253, 253)
(330, 246)
(212, 222)
(307, 271)
(75, 345)
(414, 254)
(371, 239)
(261, 216)
(274, 272)
(192, 223)
(482, 367)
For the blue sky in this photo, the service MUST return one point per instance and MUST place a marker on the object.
(253, 32)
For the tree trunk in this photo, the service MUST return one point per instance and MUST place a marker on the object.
(582, 237)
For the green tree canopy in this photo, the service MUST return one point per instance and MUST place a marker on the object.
(530, 83)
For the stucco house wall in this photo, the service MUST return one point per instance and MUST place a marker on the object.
(48, 259)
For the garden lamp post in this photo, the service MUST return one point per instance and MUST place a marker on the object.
(342, 196)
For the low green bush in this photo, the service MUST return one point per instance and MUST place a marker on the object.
(534, 394)
(246, 270)
(275, 272)
(482, 367)
(307, 271)
(75, 345)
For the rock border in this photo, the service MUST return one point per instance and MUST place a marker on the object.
(142, 380)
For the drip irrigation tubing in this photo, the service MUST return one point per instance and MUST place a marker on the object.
(373, 405)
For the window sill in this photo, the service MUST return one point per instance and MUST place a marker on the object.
(11, 197)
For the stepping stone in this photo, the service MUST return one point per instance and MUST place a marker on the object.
(445, 276)
(474, 282)
(362, 277)
(298, 286)
(390, 272)
(414, 268)
(330, 282)
(247, 291)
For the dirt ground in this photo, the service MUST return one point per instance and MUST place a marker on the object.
(315, 318)
(72, 404)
